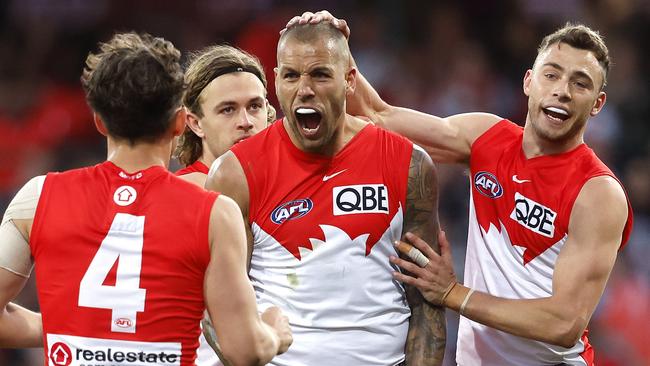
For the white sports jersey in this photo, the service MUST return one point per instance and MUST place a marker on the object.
(323, 230)
(518, 223)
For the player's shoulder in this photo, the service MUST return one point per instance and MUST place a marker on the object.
(385, 135)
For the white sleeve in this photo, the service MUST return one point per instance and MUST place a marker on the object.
(15, 254)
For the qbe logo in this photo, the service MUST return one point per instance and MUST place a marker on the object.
(362, 198)
(60, 354)
(534, 216)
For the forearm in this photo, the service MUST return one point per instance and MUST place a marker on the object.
(365, 101)
(545, 319)
(426, 340)
(20, 328)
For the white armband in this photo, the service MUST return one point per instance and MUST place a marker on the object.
(15, 254)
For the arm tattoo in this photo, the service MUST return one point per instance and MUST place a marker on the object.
(425, 343)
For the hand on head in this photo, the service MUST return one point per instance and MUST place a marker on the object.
(315, 18)
(436, 279)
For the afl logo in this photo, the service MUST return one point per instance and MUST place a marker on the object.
(124, 322)
(291, 210)
(488, 185)
(60, 354)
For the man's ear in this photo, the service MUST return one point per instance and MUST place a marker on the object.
(194, 123)
(526, 84)
(598, 104)
(351, 80)
(99, 124)
(179, 121)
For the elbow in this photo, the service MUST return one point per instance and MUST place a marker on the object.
(567, 333)
(239, 357)
(258, 352)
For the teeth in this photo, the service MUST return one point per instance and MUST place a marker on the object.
(309, 130)
(558, 110)
(305, 111)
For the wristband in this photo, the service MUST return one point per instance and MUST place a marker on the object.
(447, 292)
(465, 301)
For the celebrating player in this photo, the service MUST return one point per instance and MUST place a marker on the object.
(325, 195)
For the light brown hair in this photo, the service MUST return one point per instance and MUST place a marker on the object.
(205, 66)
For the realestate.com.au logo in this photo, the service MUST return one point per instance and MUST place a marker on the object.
(61, 355)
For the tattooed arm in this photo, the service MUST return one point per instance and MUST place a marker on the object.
(425, 343)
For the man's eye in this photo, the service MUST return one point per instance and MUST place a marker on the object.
(290, 75)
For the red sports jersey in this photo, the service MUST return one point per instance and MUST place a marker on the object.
(120, 263)
(323, 229)
(519, 219)
(196, 167)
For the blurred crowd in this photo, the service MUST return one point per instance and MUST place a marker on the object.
(441, 57)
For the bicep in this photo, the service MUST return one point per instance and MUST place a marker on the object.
(447, 140)
(586, 260)
(421, 212)
(227, 177)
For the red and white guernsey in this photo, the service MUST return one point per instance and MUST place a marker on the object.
(518, 222)
(120, 262)
(323, 229)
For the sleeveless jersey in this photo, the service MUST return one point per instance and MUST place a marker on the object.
(195, 167)
(323, 229)
(518, 223)
(120, 263)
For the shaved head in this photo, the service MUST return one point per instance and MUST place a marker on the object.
(313, 33)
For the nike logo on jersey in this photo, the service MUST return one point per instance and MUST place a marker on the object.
(514, 179)
(328, 177)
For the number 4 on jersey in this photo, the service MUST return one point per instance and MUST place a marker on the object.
(123, 243)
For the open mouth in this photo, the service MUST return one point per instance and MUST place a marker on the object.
(556, 114)
(309, 120)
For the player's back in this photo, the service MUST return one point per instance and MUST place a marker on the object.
(120, 262)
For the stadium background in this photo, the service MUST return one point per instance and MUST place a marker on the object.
(442, 57)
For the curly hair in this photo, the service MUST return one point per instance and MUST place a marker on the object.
(135, 84)
(205, 66)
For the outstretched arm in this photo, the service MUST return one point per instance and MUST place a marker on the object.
(425, 343)
(581, 272)
(245, 337)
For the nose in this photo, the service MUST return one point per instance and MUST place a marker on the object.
(244, 122)
(305, 90)
(562, 91)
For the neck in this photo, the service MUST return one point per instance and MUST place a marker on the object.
(207, 158)
(142, 155)
(534, 145)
